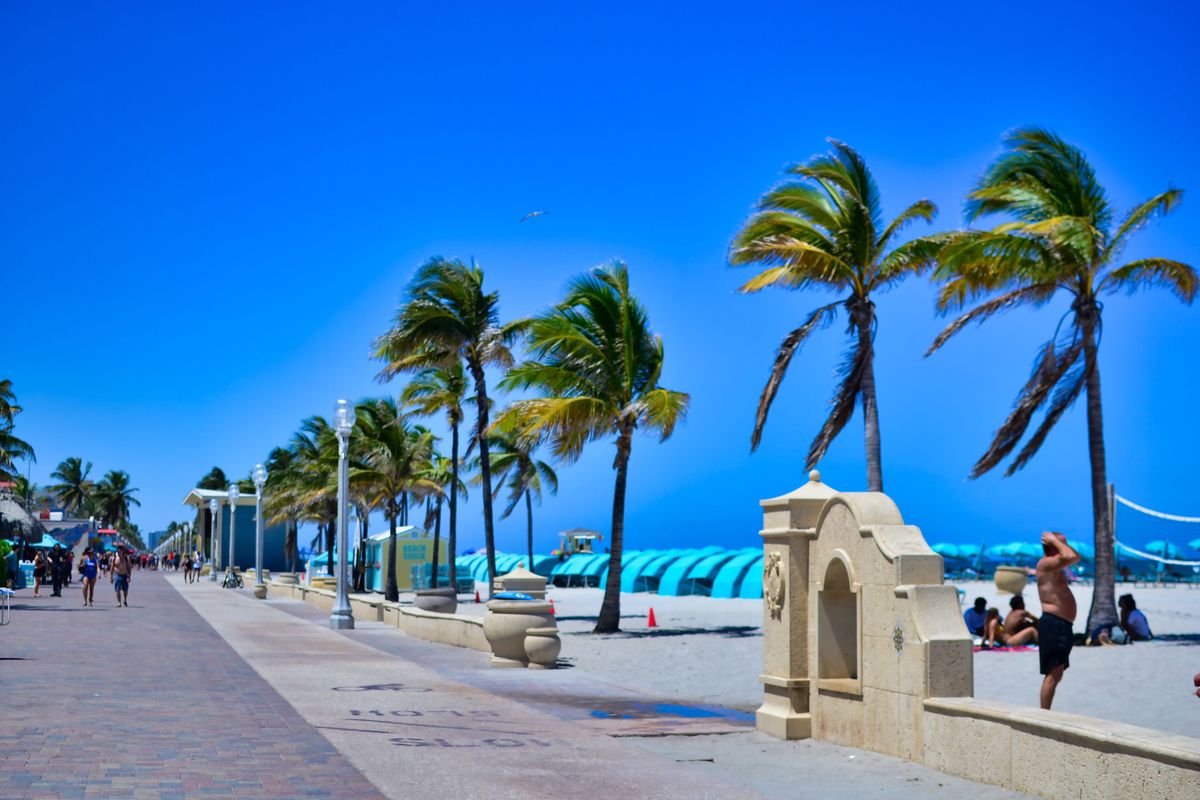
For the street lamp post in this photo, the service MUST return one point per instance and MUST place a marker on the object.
(214, 538)
(234, 494)
(260, 480)
(343, 420)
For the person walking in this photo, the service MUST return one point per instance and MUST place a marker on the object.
(89, 568)
(187, 569)
(58, 563)
(39, 572)
(1055, 628)
(122, 572)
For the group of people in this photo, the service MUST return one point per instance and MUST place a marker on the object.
(191, 566)
(53, 567)
(1053, 632)
(119, 569)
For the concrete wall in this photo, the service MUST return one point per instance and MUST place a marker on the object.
(1056, 755)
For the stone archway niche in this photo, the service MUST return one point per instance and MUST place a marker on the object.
(837, 629)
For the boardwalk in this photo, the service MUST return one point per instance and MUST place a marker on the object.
(147, 702)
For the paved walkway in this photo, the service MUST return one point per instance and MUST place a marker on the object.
(261, 699)
(147, 702)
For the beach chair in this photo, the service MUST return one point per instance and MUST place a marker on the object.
(5, 608)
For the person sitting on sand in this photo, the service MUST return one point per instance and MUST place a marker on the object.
(1019, 624)
(1133, 621)
(976, 616)
(1014, 631)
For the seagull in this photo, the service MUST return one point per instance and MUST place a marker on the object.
(533, 214)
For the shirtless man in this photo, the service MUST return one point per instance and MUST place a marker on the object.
(1055, 628)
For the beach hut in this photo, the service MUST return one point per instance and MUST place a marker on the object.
(647, 578)
(674, 581)
(728, 582)
(702, 574)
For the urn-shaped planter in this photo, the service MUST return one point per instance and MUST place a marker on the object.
(542, 647)
(443, 600)
(288, 578)
(1011, 579)
(505, 625)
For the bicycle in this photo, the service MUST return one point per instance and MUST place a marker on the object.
(232, 581)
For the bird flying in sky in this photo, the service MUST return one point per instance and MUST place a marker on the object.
(533, 214)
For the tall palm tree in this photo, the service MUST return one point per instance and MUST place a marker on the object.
(214, 479)
(392, 458)
(449, 319)
(114, 496)
(314, 492)
(598, 364)
(443, 473)
(440, 390)
(826, 230)
(281, 475)
(73, 489)
(26, 490)
(12, 448)
(1059, 237)
(516, 468)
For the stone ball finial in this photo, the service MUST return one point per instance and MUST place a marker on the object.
(815, 476)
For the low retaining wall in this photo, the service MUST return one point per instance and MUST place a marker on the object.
(1056, 755)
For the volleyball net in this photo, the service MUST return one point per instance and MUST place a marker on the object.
(1155, 539)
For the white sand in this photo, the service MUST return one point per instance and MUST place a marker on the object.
(710, 651)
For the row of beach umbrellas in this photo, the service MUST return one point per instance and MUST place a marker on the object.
(1031, 550)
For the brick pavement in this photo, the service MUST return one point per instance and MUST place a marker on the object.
(147, 702)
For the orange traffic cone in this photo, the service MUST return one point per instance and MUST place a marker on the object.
(651, 623)
(476, 595)
(552, 607)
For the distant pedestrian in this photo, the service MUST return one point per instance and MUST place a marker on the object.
(58, 564)
(187, 570)
(1055, 628)
(89, 568)
(122, 573)
(39, 572)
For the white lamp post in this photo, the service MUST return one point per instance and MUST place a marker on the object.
(234, 494)
(343, 422)
(214, 539)
(260, 480)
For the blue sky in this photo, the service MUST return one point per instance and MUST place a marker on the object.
(207, 212)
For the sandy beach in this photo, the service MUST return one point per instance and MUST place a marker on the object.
(710, 651)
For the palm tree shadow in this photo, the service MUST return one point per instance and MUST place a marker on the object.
(1178, 638)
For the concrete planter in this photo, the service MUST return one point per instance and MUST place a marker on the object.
(1011, 579)
(288, 578)
(505, 626)
(542, 647)
(260, 591)
(443, 600)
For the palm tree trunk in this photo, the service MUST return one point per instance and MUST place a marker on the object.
(485, 471)
(609, 620)
(529, 528)
(452, 544)
(864, 319)
(329, 534)
(1103, 610)
(391, 591)
(437, 541)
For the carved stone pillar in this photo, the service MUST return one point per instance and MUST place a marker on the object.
(789, 524)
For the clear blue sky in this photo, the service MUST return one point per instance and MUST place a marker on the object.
(207, 212)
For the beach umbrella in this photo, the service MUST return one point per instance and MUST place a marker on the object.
(1194, 544)
(946, 550)
(1085, 550)
(1163, 549)
(997, 551)
(968, 551)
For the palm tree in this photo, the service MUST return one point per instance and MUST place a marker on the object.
(26, 490)
(1059, 237)
(826, 230)
(113, 496)
(393, 455)
(598, 363)
(73, 489)
(281, 474)
(440, 390)
(443, 473)
(515, 466)
(215, 480)
(11, 447)
(449, 319)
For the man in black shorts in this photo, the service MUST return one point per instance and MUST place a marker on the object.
(1056, 632)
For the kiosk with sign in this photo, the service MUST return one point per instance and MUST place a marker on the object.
(413, 547)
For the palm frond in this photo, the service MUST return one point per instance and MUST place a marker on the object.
(1049, 367)
(1176, 276)
(817, 320)
(853, 367)
(1037, 294)
(922, 209)
(1158, 206)
(1065, 395)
